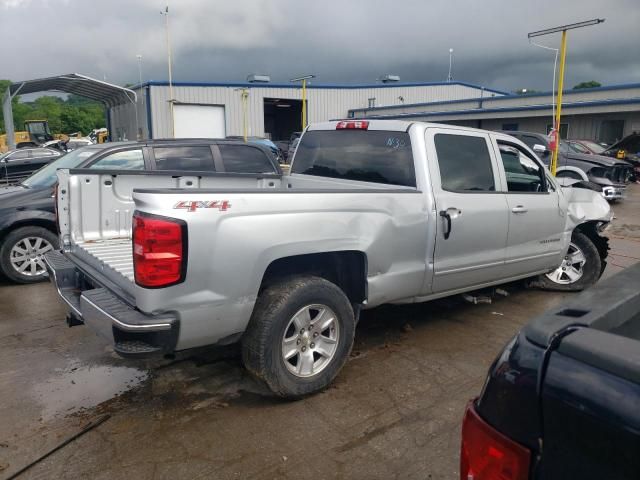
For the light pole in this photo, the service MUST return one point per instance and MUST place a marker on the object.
(139, 57)
(449, 77)
(244, 93)
(563, 56)
(171, 99)
(304, 96)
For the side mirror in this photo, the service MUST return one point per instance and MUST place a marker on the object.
(540, 148)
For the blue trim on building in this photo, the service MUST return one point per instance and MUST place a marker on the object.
(524, 108)
(505, 97)
(312, 86)
(149, 121)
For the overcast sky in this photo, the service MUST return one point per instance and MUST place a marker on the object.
(346, 41)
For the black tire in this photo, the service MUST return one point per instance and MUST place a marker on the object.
(274, 309)
(591, 271)
(15, 237)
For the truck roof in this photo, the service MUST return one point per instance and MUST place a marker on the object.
(391, 125)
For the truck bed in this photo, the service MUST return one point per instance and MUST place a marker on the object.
(114, 256)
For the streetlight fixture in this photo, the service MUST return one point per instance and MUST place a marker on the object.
(171, 99)
(304, 96)
(449, 77)
(563, 56)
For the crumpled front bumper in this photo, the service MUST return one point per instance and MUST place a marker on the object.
(131, 332)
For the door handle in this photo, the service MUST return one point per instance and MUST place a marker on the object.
(447, 216)
(519, 209)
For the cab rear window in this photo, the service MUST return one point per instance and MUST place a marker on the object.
(364, 155)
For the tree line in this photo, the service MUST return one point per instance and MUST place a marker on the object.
(73, 114)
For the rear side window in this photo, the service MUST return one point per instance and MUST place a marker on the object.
(245, 159)
(465, 163)
(364, 155)
(18, 155)
(193, 158)
(124, 160)
(43, 152)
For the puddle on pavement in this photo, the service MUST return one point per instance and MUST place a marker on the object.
(79, 387)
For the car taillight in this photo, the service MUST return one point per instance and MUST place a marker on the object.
(352, 125)
(486, 454)
(159, 250)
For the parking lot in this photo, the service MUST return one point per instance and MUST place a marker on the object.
(393, 412)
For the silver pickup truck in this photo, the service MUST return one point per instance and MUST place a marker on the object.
(372, 212)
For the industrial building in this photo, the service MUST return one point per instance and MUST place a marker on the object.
(604, 114)
(271, 110)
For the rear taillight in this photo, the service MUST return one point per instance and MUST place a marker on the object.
(352, 125)
(159, 250)
(486, 454)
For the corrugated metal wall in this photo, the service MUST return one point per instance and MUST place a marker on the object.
(123, 120)
(323, 104)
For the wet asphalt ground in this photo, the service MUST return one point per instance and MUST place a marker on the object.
(393, 412)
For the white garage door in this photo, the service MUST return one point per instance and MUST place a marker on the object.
(199, 121)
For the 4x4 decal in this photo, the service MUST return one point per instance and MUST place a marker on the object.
(192, 206)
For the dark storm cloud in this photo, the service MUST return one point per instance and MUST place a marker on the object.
(339, 41)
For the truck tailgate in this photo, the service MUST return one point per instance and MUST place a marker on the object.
(95, 209)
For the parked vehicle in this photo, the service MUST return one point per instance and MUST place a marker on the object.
(561, 400)
(587, 147)
(371, 214)
(27, 218)
(627, 149)
(612, 175)
(16, 165)
(265, 142)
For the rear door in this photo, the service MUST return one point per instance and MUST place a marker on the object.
(472, 212)
(536, 215)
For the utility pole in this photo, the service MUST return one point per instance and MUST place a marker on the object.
(304, 96)
(139, 133)
(449, 77)
(563, 56)
(244, 92)
(171, 99)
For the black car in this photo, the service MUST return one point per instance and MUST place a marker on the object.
(27, 217)
(562, 400)
(16, 165)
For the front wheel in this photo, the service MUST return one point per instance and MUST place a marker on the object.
(22, 253)
(299, 336)
(581, 267)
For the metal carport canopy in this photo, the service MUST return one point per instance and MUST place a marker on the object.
(108, 94)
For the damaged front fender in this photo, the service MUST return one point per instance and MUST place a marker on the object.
(585, 206)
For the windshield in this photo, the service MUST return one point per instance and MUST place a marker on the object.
(46, 176)
(594, 147)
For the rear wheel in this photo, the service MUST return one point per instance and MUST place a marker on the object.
(22, 254)
(581, 267)
(299, 336)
